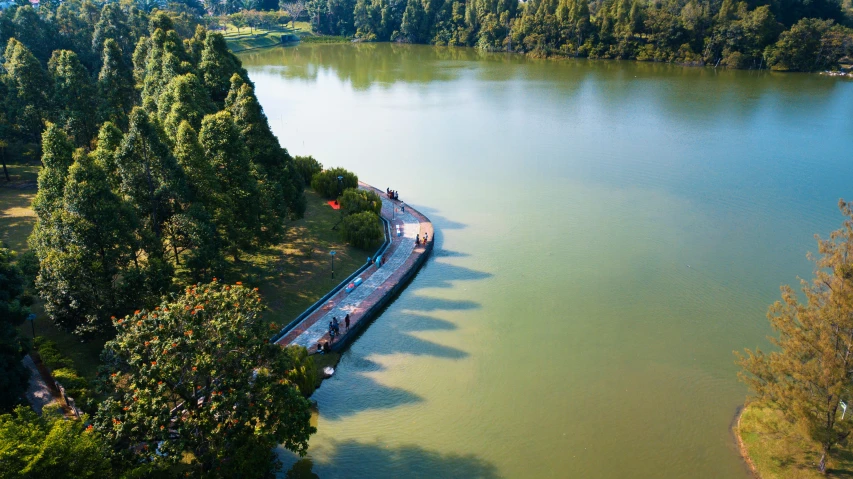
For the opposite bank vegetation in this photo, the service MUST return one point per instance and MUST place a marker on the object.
(785, 35)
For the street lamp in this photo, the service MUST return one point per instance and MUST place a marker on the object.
(32, 319)
(332, 254)
(340, 185)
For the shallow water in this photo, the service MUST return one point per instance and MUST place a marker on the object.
(609, 232)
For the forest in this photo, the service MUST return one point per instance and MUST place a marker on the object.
(158, 166)
(783, 35)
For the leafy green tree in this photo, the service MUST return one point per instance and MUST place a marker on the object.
(116, 94)
(28, 89)
(183, 99)
(307, 167)
(281, 189)
(151, 180)
(112, 23)
(236, 216)
(326, 182)
(109, 141)
(362, 230)
(303, 374)
(33, 446)
(810, 45)
(13, 346)
(198, 375)
(72, 95)
(809, 373)
(86, 250)
(217, 65)
(354, 200)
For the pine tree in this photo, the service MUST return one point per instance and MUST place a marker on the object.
(281, 190)
(28, 83)
(111, 24)
(89, 246)
(183, 99)
(151, 180)
(216, 67)
(116, 94)
(237, 215)
(72, 95)
(809, 374)
(109, 141)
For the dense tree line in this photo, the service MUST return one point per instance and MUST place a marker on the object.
(158, 159)
(791, 35)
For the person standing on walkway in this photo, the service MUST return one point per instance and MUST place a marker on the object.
(346, 321)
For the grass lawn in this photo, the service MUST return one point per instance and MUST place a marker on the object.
(16, 216)
(780, 450)
(298, 272)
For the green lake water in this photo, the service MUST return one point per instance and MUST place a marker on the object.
(608, 233)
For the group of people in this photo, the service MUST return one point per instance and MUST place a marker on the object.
(335, 326)
(334, 330)
(394, 195)
(418, 238)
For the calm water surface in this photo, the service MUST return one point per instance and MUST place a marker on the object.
(609, 232)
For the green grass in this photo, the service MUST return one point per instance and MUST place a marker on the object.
(16, 216)
(298, 272)
(779, 450)
(324, 39)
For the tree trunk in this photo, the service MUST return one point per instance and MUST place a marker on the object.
(821, 466)
(5, 171)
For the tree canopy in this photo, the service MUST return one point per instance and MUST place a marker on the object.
(808, 376)
(197, 374)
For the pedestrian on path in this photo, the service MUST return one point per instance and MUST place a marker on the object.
(346, 321)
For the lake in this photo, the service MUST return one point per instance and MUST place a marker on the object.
(608, 233)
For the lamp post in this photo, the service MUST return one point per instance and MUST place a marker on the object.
(32, 319)
(340, 185)
(332, 254)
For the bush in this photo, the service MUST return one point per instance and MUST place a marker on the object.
(75, 387)
(50, 355)
(326, 182)
(362, 230)
(355, 201)
(304, 372)
(307, 167)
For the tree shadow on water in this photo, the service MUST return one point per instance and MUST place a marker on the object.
(376, 460)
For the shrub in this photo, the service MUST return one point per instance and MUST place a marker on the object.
(326, 182)
(50, 355)
(307, 167)
(75, 387)
(355, 201)
(304, 372)
(362, 230)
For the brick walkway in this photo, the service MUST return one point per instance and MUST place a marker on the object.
(402, 258)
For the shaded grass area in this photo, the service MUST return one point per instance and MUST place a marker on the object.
(295, 274)
(780, 450)
(16, 216)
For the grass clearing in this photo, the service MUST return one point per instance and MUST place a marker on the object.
(295, 274)
(16, 216)
(780, 450)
